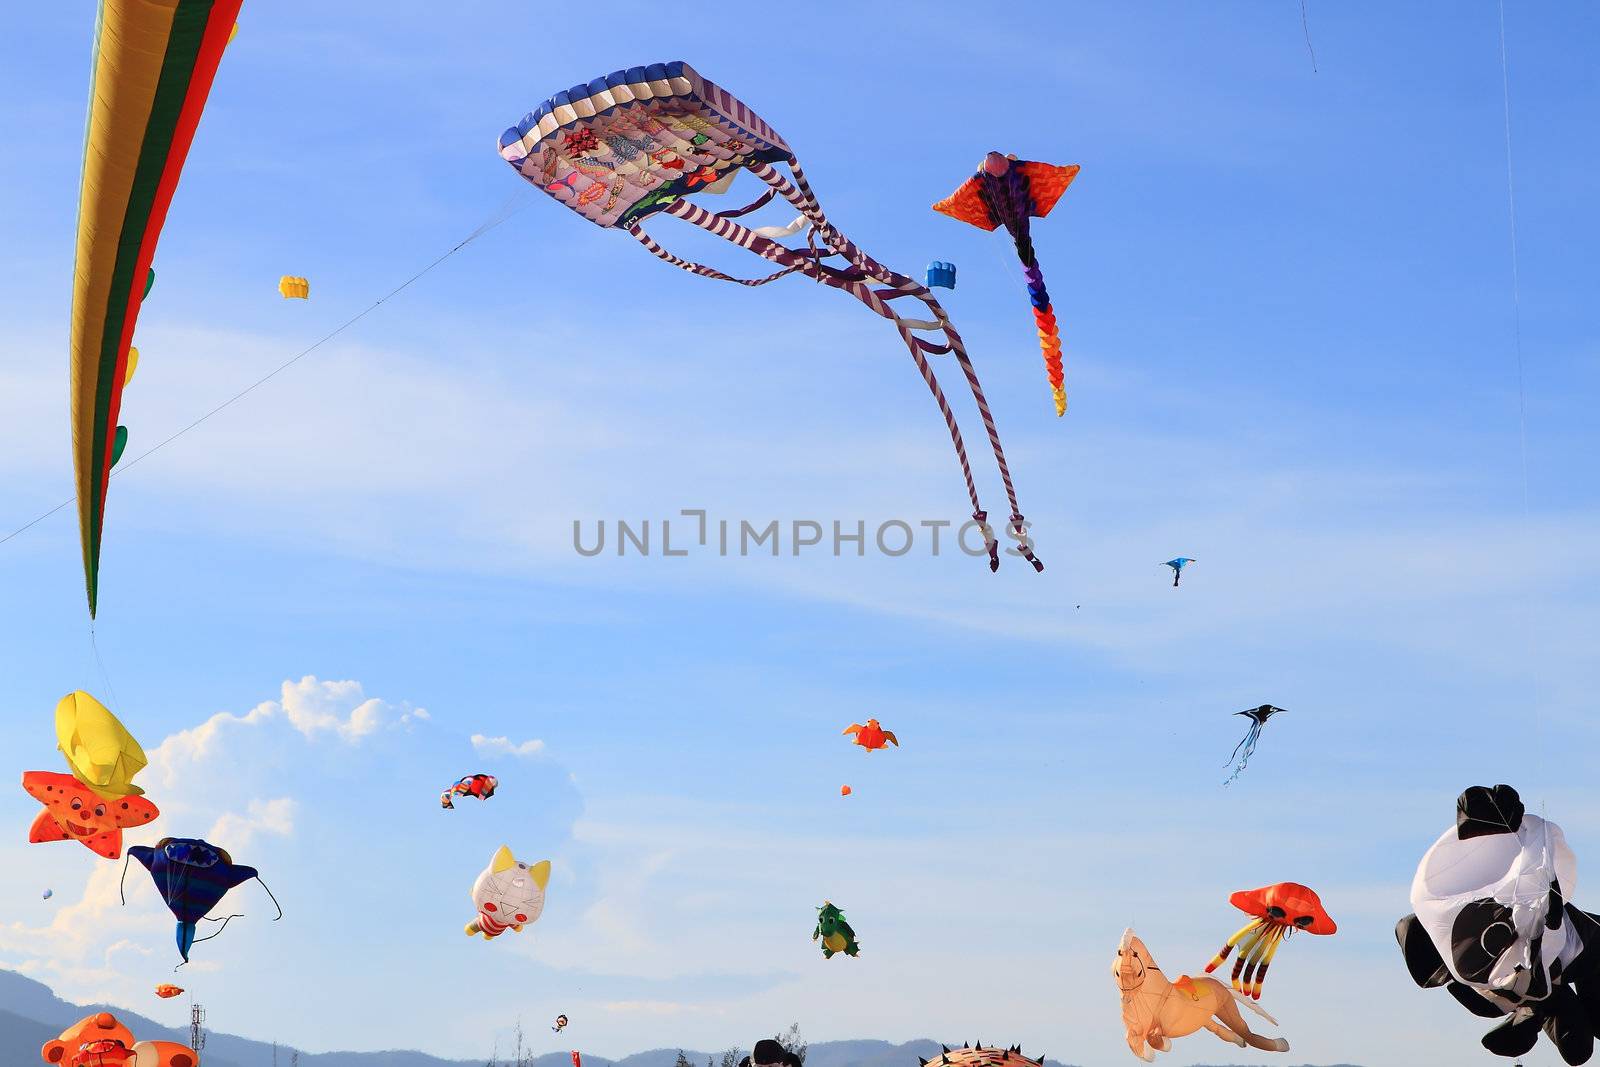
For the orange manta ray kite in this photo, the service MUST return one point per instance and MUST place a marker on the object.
(73, 811)
(872, 735)
(1007, 191)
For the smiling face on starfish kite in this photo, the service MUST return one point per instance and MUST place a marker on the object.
(73, 811)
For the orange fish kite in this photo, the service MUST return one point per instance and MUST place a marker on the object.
(167, 991)
(872, 735)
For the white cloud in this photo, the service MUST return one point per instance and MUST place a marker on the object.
(504, 746)
(660, 1009)
(314, 707)
(274, 816)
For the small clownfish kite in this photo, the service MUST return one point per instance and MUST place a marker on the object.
(871, 736)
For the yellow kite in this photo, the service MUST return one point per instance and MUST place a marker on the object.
(101, 752)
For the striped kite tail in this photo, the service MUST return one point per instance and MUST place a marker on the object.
(1045, 319)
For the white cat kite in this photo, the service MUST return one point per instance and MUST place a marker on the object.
(508, 894)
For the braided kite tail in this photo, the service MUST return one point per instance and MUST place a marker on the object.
(1045, 319)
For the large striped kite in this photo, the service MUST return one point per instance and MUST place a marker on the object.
(642, 141)
(154, 61)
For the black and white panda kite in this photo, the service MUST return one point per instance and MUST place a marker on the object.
(1494, 927)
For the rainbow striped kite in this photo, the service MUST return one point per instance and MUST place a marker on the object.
(154, 61)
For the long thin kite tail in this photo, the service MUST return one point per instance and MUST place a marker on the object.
(1044, 317)
(791, 260)
(1249, 746)
(800, 195)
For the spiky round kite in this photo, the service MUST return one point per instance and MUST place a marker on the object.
(641, 141)
(979, 1056)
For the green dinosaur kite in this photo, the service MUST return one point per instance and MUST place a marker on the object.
(834, 932)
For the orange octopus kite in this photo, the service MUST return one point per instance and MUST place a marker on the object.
(1279, 911)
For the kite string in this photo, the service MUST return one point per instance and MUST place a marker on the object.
(1522, 411)
(506, 210)
(1305, 27)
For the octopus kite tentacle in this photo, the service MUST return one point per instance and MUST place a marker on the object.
(791, 260)
(799, 194)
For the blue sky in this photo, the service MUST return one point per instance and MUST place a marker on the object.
(1286, 299)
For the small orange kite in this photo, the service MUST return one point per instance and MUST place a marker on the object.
(871, 736)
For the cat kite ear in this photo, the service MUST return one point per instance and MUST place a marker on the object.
(541, 873)
(503, 861)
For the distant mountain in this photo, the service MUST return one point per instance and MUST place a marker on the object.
(30, 1015)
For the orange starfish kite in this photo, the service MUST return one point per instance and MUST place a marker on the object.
(74, 812)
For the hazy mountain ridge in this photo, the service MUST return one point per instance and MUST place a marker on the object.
(30, 1015)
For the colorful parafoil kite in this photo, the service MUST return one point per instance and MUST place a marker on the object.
(941, 275)
(1247, 746)
(834, 933)
(1155, 1010)
(643, 141)
(154, 61)
(1495, 926)
(1278, 911)
(872, 736)
(1177, 566)
(192, 877)
(481, 786)
(166, 991)
(509, 895)
(294, 288)
(1007, 191)
(100, 751)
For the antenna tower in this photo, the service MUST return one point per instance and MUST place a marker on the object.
(197, 1022)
